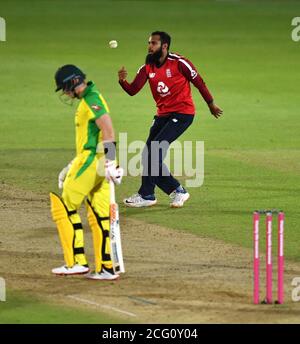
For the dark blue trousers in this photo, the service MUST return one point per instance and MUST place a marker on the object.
(167, 128)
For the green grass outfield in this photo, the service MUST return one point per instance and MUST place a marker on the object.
(20, 308)
(243, 50)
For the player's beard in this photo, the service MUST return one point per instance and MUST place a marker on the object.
(154, 57)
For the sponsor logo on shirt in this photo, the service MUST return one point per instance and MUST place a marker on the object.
(96, 107)
(193, 74)
(151, 75)
(168, 73)
(162, 89)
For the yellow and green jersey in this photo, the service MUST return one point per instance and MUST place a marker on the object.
(92, 106)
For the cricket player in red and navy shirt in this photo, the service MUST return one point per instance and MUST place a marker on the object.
(169, 76)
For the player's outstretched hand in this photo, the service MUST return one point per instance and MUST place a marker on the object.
(122, 74)
(215, 110)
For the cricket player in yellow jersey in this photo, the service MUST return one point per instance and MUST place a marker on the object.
(86, 178)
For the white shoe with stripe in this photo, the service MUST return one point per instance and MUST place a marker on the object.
(178, 199)
(74, 270)
(103, 275)
(137, 201)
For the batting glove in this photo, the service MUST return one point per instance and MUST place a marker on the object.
(113, 172)
(62, 175)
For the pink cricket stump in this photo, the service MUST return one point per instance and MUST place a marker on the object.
(269, 265)
(280, 258)
(256, 257)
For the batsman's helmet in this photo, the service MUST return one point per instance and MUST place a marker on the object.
(68, 77)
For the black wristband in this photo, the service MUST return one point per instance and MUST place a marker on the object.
(110, 150)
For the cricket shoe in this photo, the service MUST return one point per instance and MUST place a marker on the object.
(137, 201)
(74, 270)
(103, 275)
(178, 198)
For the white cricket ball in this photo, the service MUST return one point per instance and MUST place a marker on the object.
(113, 44)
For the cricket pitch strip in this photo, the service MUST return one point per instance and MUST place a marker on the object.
(171, 276)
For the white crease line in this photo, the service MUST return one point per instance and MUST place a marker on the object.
(103, 306)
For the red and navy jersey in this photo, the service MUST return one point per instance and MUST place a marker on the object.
(170, 85)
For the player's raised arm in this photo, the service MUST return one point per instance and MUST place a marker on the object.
(138, 82)
(122, 73)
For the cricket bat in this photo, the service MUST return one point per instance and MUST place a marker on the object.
(114, 233)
